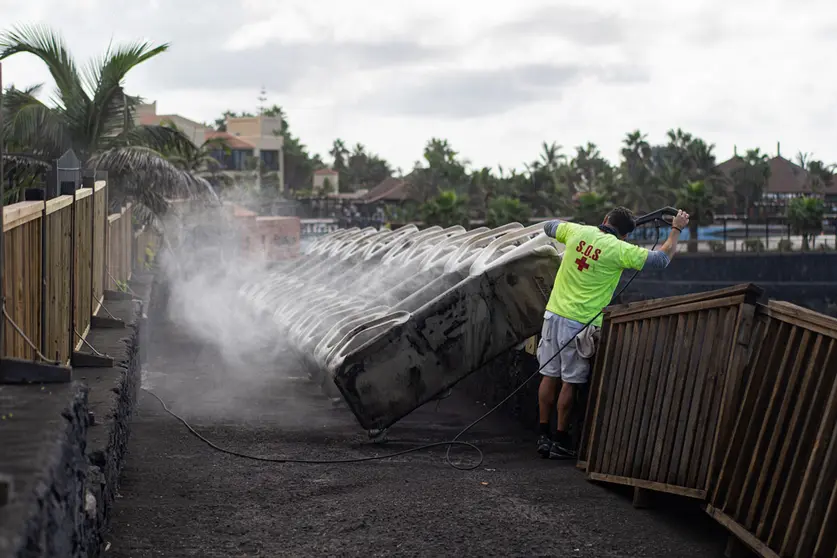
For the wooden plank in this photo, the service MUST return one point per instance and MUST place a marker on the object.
(57, 204)
(684, 433)
(827, 539)
(100, 185)
(604, 406)
(785, 528)
(17, 214)
(632, 373)
(747, 289)
(731, 449)
(667, 395)
(618, 394)
(733, 471)
(18, 255)
(633, 464)
(763, 430)
(662, 349)
(683, 309)
(650, 485)
(599, 364)
(821, 472)
(729, 321)
(695, 445)
(663, 379)
(787, 401)
(741, 533)
(802, 317)
(83, 193)
(681, 367)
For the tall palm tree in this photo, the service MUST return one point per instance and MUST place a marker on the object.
(551, 156)
(93, 115)
(818, 174)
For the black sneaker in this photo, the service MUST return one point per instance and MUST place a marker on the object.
(558, 451)
(544, 445)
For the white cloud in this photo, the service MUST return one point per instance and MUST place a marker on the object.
(749, 72)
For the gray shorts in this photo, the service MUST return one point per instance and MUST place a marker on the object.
(569, 365)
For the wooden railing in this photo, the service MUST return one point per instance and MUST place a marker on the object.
(59, 256)
(777, 485)
(660, 387)
(716, 397)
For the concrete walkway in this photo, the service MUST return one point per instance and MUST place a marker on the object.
(181, 498)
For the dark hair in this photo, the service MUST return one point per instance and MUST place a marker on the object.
(621, 219)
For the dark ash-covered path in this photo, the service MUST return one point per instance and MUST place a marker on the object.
(178, 497)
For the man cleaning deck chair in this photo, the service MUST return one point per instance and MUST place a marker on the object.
(586, 280)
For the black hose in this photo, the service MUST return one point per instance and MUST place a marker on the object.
(450, 443)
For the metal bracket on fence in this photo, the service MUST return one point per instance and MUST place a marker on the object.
(90, 360)
(103, 307)
(102, 322)
(128, 289)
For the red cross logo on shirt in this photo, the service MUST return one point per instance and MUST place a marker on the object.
(582, 263)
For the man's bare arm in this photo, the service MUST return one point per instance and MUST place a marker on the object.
(680, 222)
(659, 259)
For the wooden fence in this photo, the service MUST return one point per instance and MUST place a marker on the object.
(59, 259)
(658, 409)
(716, 397)
(777, 485)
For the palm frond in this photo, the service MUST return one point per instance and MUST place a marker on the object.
(149, 178)
(15, 160)
(34, 126)
(163, 139)
(41, 41)
(104, 77)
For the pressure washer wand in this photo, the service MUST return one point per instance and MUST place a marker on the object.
(658, 215)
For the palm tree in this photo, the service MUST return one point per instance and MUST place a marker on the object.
(338, 153)
(551, 156)
(750, 180)
(504, 210)
(818, 174)
(698, 199)
(93, 115)
(446, 210)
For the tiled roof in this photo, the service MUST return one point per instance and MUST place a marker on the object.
(786, 177)
(234, 142)
(391, 189)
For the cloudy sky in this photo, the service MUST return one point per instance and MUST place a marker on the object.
(494, 78)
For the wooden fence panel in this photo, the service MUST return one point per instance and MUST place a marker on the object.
(22, 277)
(660, 385)
(776, 488)
(83, 281)
(59, 231)
(57, 259)
(116, 243)
(99, 254)
(127, 248)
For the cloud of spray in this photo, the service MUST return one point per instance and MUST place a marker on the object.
(224, 351)
(261, 321)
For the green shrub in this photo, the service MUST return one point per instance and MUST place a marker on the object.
(753, 245)
(718, 245)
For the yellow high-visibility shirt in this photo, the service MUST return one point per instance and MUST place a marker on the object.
(590, 271)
